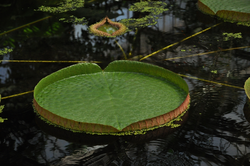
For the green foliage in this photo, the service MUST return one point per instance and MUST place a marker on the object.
(1, 108)
(231, 35)
(9, 42)
(29, 30)
(5, 51)
(54, 28)
(74, 19)
(214, 71)
(244, 24)
(154, 8)
(67, 5)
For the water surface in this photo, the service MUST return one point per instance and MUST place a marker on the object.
(217, 130)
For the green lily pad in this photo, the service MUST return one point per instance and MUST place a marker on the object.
(229, 10)
(247, 87)
(124, 97)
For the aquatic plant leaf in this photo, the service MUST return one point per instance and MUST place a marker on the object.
(73, 70)
(247, 87)
(107, 28)
(138, 67)
(111, 100)
(228, 10)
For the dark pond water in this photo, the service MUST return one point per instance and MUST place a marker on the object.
(217, 129)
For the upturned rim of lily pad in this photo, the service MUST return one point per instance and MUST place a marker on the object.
(234, 16)
(121, 28)
(133, 70)
(90, 139)
(247, 87)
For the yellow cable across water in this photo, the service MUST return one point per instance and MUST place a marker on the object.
(179, 41)
(22, 26)
(19, 94)
(187, 56)
(204, 53)
(232, 86)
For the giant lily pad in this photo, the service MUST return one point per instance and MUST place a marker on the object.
(125, 98)
(229, 10)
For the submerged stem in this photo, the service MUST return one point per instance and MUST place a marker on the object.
(125, 57)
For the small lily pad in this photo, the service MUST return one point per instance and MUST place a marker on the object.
(108, 28)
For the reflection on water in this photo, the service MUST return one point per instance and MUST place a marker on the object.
(217, 129)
